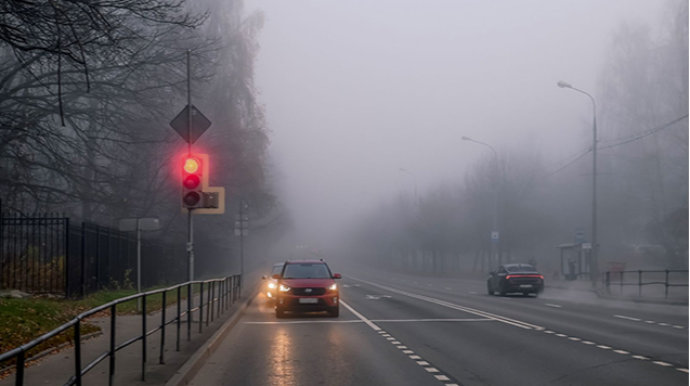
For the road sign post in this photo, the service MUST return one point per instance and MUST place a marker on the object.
(138, 225)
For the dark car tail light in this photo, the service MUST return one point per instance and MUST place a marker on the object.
(539, 276)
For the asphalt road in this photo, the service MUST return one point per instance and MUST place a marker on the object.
(396, 329)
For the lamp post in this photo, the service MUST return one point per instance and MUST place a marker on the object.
(416, 202)
(494, 225)
(595, 247)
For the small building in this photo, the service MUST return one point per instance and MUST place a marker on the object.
(575, 261)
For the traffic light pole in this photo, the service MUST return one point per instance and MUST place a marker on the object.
(190, 222)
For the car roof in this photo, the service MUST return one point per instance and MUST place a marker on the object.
(305, 261)
(519, 265)
(278, 264)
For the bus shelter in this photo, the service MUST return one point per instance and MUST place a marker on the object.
(575, 261)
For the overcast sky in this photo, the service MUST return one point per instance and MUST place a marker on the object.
(354, 90)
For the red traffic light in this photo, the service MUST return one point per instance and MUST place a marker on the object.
(194, 179)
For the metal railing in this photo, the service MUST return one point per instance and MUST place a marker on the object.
(617, 278)
(220, 295)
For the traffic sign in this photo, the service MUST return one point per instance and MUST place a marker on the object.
(579, 235)
(494, 236)
(199, 124)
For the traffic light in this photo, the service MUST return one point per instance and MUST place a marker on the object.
(194, 180)
(196, 194)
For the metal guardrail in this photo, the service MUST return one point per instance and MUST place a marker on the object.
(611, 276)
(221, 294)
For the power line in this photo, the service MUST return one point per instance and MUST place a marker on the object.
(569, 163)
(647, 133)
(622, 141)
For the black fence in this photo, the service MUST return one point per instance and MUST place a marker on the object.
(667, 278)
(215, 296)
(49, 254)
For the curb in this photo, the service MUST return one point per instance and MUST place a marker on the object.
(192, 366)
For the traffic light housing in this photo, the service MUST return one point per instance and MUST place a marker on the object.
(194, 180)
(196, 194)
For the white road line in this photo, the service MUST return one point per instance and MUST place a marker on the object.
(663, 324)
(660, 363)
(574, 338)
(604, 347)
(307, 322)
(549, 332)
(415, 357)
(678, 327)
(386, 335)
(402, 347)
(423, 363)
(562, 335)
(442, 378)
(390, 338)
(627, 318)
(552, 305)
(649, 321)
(621, 352)
(357, 314)
(378, 329)
(640, 357)
(429, 320)
(443, 303)
(395, 342)
(682, 369)
(587, 342)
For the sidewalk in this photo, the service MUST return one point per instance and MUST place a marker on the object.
(650, 294)
(56, 369)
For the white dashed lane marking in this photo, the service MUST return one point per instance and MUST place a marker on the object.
(617, 351)
(633, 319)
(552, 305)
(426, 365)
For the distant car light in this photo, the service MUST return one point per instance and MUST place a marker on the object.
(269, 294)
(284, 288)
(272, 285)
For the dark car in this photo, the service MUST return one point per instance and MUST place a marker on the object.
(272, 284)
(515, 278)
(307, 285)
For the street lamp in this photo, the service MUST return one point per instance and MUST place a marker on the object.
(494, 241)
(595, 247)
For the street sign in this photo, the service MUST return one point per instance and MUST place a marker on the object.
(199, 124)
(494, 236)
(586, 245)
(145, 224)
(579, 236)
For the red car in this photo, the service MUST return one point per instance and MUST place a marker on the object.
(307, 285)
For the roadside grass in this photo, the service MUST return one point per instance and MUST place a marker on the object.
(23, 320)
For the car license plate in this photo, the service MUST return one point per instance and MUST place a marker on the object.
(525, 285)
(308, 300)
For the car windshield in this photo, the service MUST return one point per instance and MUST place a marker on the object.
(277, 269)
(520, 268)
(306, 271)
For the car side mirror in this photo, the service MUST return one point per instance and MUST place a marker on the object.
(276, 276)
(337, 276)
